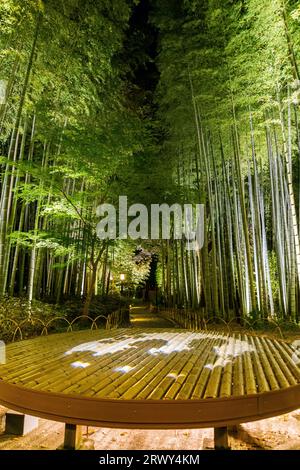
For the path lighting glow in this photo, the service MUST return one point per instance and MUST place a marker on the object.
(122, 277)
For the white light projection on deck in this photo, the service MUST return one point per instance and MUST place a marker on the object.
(124, 369)
(230, 349)
(80, 365)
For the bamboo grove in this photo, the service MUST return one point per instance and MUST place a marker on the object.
(65, 134)
(217, 125)
(229, 98)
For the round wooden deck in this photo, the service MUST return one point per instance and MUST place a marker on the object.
(150, 378)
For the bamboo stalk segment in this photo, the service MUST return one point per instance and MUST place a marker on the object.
(226, 384)
(261, 380)
(250, 382)
(288, 376)
(269, 374)
(156, 387)
(142, 376)
(110, 376)
(288, 354)
(185, 387)
(64, 370)
(238, 386)
(41, 352)
(209, 361)
(214, 381)
(283, 382)
(118, 387)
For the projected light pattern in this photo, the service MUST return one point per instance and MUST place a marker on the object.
(173, 342)
(105, 346)
(80, 365)
(175, 376)
(155, 364)
(124, 369)
(228, 351)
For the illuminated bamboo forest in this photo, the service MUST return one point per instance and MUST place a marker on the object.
(164, 101)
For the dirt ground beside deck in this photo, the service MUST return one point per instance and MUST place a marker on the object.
(280, 433)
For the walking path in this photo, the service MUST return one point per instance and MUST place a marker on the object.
(142, 317)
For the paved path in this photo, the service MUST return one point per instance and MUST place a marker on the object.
(141, 317)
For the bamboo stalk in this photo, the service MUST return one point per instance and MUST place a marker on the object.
(210, 359)
(250, 382)
(289, 377)
(227, 378)
(268, 370)
(259, 372)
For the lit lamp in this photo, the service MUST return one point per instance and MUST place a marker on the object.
(122, 279)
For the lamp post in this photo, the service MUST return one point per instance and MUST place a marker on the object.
(122, 279)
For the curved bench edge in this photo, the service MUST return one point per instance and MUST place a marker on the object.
(149, 414)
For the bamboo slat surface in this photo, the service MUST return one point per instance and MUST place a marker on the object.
(151, 364)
